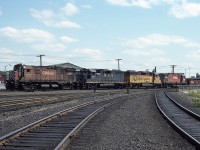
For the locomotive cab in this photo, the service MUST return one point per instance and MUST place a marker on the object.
(13, 77)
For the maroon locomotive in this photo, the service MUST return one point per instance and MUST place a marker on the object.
(32, 77)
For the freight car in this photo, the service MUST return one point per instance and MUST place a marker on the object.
(30, 78)
(139, 79)
(172, 79)
(193, 81)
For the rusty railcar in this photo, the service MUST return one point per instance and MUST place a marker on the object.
(193, 81)
(31, 77)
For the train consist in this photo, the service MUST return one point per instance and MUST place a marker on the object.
(29, 78)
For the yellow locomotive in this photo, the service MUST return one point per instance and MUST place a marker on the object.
(139, 79)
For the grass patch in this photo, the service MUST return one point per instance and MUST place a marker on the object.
(195, 95)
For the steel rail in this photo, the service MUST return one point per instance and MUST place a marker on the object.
(193, 114)
(64, 143)
(33, 101)
(184, 133)
(16, 133)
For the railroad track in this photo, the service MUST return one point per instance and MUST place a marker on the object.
(15, 101)
(186, 122)
(19, 102)
(55, 131)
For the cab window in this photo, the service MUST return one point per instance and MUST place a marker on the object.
(28, 71)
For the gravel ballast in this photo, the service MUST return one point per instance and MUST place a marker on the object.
(132, 124)
(185, 100)
(14, 120)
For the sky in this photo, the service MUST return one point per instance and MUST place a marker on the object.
(94, 33)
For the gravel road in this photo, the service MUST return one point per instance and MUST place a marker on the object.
(132, 124)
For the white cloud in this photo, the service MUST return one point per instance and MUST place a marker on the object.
(26, 35)
(179, 8)
(61, 24)
(194, 55)
(5, 50)
(8, 58)
(50, 47)
(36, 39)
(142, 52)
(119, 2)
(67, 39)
(185, 9)
(87, 6)
(0, 11)
(154, 40)
(58, 19)
(134, 52)
(159, 49)
(43, 14)
(138, 3)
(70, 9)
(93, 54)
(160, 60)
(190, 44)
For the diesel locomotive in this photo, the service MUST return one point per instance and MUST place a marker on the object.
(29, 78)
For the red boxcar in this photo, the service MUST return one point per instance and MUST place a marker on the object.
(193, 81)
(175, 78)
(172, 79)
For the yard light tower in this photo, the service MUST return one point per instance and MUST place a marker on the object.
(118, 63)
(173, 66)
(40, 59)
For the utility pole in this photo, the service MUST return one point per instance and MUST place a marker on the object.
(189, 71)
(173, 66)
(185, 72)
(40, 59)
(118, 63)
(155, 69)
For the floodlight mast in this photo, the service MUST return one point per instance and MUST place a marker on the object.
(40, 59)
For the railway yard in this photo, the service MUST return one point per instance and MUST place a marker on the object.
(126, 121)
(100, 75)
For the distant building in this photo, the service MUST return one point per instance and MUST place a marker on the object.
(68, 65)
(197, 75)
